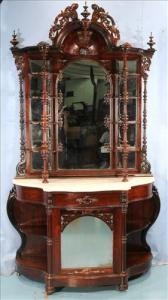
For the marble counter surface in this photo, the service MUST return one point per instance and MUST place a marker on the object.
(85, 184)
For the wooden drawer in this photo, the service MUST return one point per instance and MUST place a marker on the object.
(91, 199)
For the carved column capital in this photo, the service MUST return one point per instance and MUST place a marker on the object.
(20, 63)
(145, 65)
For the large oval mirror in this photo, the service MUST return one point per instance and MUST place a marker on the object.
(83, 117)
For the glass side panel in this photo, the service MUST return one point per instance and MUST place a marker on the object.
(37, 162)
(36, 132)
(131, 160)
(131, 135)
(84, 117)
(131, 109)
(36, 86)
(87, 242)
(132, 66)
(36, 110)
(131, 86)
(36, 66)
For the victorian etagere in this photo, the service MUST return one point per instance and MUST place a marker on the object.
(50, 189)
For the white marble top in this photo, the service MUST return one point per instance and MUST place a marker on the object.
(85, 184)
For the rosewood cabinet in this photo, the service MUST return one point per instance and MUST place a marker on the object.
(83, 198)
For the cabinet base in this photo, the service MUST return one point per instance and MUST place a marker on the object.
(60, 281)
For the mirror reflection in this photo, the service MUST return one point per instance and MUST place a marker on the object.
(36, 135)
(37, 161)
(87, 242)
(83, 132)
(36, 86)
(36, 110)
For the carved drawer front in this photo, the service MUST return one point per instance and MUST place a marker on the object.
(85, 199)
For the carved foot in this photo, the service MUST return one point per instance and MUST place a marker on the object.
(123, 287)
(50, 290)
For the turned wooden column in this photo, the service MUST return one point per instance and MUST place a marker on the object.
(44, 120)
(21, 166)
(53, 243)
(124, 275)
(125, 116)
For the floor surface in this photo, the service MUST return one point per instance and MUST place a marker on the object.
(151, 286)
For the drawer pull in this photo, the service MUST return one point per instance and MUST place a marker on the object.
(86, 200)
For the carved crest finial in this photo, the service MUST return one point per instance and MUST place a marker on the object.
(14, 40)
(151, 42)
(85, 13)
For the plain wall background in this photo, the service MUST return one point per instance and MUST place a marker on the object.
(135, 20)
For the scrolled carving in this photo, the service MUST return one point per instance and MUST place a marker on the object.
(86, 200)
(69, 216)
(68, 15)
(19, 61)
(146, 62)
(60, 98)
(12, 194)
(107, 98)
(102, 18)
(21, 166)
(107, 122)
(44, 48)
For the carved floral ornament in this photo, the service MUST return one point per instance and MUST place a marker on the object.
(68, 216)
(99, 18)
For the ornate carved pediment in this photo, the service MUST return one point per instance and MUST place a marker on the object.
(104, 20)
(85, 33)
(68, 15)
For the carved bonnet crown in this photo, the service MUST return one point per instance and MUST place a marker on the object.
(84, 31)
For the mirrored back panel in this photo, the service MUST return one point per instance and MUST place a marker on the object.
(83, 114)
